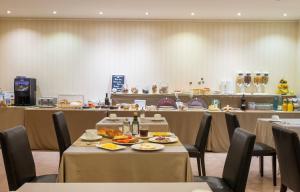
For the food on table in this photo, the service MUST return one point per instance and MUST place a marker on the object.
(205, 91)
(154, 88)
(240, 79)
(161, 134)
(147, 146)
(283, 87)
(257, 79)
(213, 108)
(197, 103)
(124, 89)
(265, 79)
(227, 108)
(110, 146)
(163, 89)
(162, 139)
(109, 133)
(247, 78)
(166, 102)
(145, 91)
(126, 139)
(134, 90)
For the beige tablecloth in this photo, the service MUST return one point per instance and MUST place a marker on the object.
(115, 187)
(11, 117)
(148, 121)
(91, 164)
(264, 132)
(40, 128)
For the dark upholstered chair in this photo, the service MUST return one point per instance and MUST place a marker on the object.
(288, 149)
(18, 159)
(260, 150)
(198, 150)
(62, 132)
(237, 164)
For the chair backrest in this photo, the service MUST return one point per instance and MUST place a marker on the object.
(17, 156)
(62, 132)
(202, 136)
(238, 160)
(288, 151)
(232, 123)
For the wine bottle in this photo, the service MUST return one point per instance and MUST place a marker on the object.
(106, 101)
(135, 124)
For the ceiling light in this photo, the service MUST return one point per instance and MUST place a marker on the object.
(100, 13)
(239, 14)
(8, 12)
(54, 12)
(285, 14)
(192, 13)
(146, 13)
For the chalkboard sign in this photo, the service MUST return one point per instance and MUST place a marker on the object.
(117, 82)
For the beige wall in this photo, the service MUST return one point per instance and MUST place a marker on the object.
(79, 56)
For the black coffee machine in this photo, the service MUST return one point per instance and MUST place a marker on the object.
(25, 91)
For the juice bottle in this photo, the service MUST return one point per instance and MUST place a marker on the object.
(284, 105)
(290, 106)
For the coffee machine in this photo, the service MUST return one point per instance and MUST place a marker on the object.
(25, 91)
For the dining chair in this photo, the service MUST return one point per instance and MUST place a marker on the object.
(288, 149)
(260, 150)
(18, 159)
(237, 164)
(198, 149)
(62, 132)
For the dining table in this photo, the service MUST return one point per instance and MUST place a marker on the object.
(116, 187)
(264, 128)
(85, 162)
(153, 124)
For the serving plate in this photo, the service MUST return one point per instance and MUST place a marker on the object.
(168, 140)
(139, 141)
(96, 138)
(147, 147)
(104, 146)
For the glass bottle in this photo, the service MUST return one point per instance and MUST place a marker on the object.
(135, 124)
(243, 103)
(284, 105)
(126, 127)
(290, 106)
(106, 101)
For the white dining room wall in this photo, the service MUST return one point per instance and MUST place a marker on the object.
(79, 56)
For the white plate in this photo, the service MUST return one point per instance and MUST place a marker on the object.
(147, 137)
(119, 147)
(157, 119)
(274, 121)
(156, 147)
(139, 141)
(113, 118)
(84, 138)
(171, 140)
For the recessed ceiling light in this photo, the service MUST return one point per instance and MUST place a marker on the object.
(285, 14)
(54, 12)
(192, 13)
(146, 13)
(100, 13)
(239, 14)
(8, 12)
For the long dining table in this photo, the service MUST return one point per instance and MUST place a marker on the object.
(84, 162)
(116, 187)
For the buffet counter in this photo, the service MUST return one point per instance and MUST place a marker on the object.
(185, 124)
(233, 100)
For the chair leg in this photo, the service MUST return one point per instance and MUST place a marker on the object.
(283, 188)
(198, 164)
(261, 165)
(203, 164)
(274, 169)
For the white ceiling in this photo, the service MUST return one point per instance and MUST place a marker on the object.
(158, 9)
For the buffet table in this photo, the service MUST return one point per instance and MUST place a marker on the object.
(184, 124)
(116, 187)
(264, 132)
(84, 162)
(40, 128)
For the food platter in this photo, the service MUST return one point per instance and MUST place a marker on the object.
(163, 140)
(110, 146)
(147, 147)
